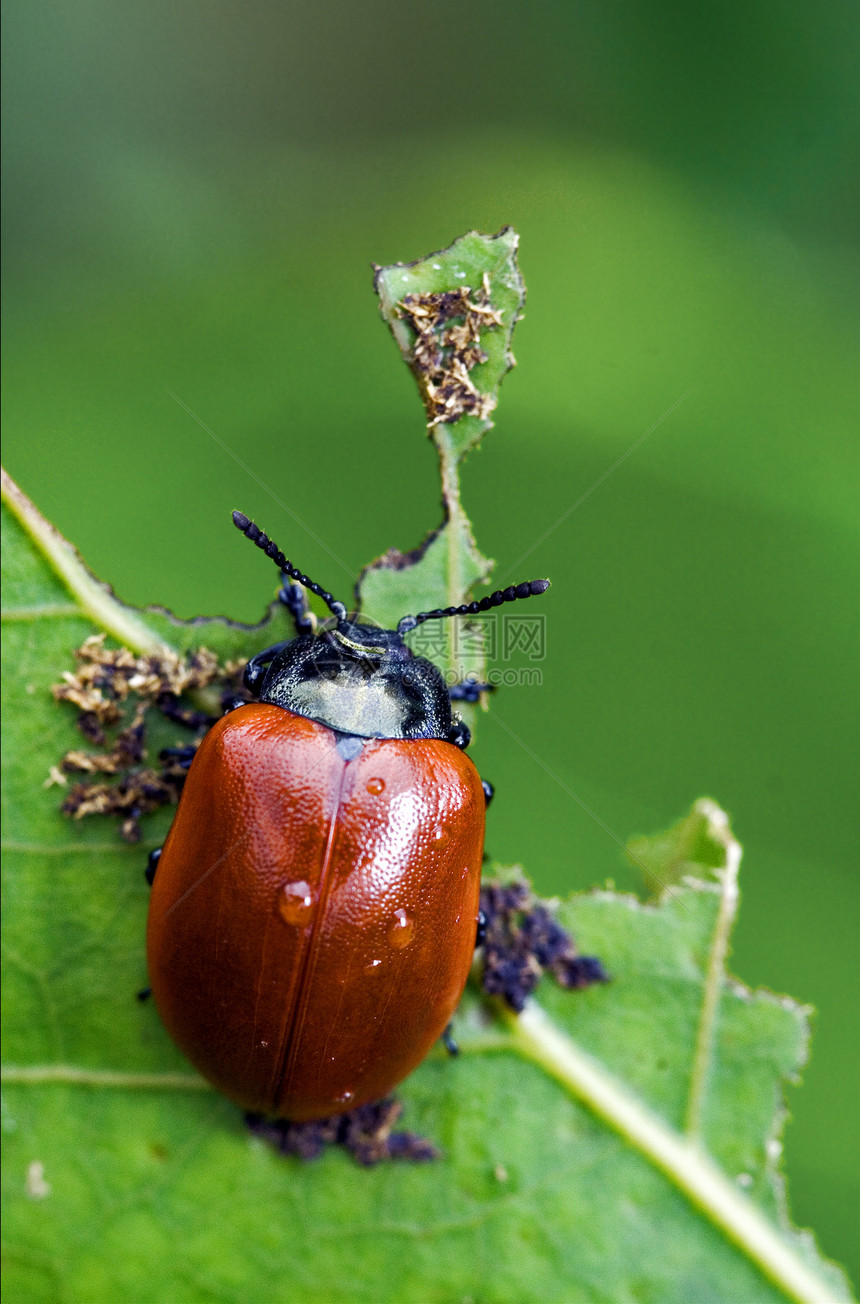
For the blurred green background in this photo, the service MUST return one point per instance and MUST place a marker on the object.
(194, 194)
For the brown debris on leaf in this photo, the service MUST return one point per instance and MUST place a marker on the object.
(447, 347)
(522, 940)
(127, 750)
(114, 689)
(106, 676)
(135, 795)
(366, 1133)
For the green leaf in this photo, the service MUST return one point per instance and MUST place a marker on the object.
(668, 858)
(475, 287)
(484, 269)
(611, 1146)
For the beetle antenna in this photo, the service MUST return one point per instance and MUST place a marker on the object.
(271, 549)
(529, 589)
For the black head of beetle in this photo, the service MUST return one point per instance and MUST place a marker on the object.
(359, 679)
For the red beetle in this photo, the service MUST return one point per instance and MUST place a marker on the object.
(313, 916)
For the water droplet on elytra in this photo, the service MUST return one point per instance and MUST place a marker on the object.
(401, 929)
(296, 902)
(373, 966)
(375, 786)
(441, 835)
(345, 1097)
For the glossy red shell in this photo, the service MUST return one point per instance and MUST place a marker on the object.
(312, 920)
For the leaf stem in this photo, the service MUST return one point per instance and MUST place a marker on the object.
(451, 498)
(681, 1159)
(718, 828)
(94, 599)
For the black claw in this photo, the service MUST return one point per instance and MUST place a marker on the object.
(152, 865)
(257, 668)
(460, 735)
(292, 596)
(449, 1043)
(232, 702)
(144, 994)
(253, 677)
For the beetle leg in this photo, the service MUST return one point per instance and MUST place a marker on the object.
(469, 690)
(257, 666)
(294, 599)
(481, 929)
(144, 994)
(489, 791)
(460, 735)
(231, 701)
(449, 1043)
(152, 865)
